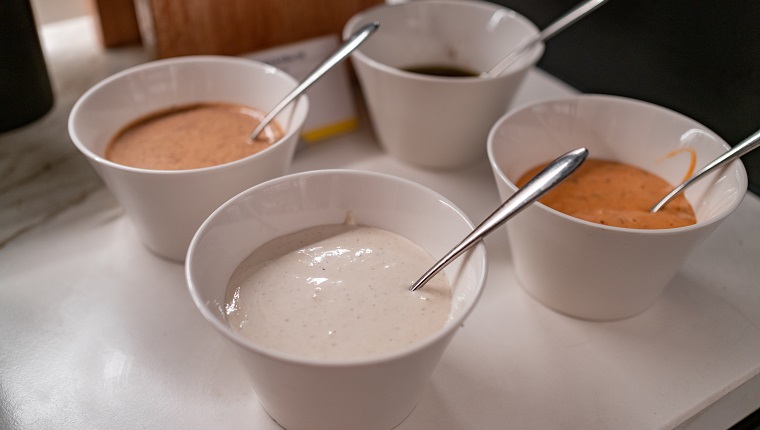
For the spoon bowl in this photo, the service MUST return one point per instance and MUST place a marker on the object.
(548, 178)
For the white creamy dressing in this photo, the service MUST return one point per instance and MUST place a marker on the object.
(336, 291)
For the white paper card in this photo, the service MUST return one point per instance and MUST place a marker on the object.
(332, 107)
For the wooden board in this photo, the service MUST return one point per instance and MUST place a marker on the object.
(171, 28)
(116, 22)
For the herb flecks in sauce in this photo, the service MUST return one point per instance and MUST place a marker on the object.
(615, 194)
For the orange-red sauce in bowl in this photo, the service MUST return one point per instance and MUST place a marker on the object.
(615, 194)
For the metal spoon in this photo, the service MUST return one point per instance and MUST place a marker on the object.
(544, 181)
(562, 23)
(350, 44)
(737, 151)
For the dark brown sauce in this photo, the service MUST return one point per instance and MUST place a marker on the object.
(443, 71)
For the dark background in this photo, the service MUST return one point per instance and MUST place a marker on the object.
(697, 57)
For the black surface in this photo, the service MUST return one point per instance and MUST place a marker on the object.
(752, 422)
(700, 58)
(25, 92)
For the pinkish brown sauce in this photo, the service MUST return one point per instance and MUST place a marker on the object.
(191, 137)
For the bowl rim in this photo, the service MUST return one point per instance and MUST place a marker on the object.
(418, 346)
(189, 59)
(535, 53)
(613, 99)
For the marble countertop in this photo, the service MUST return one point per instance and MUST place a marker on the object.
(96, 332)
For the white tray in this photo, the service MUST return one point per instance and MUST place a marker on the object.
(96, 332)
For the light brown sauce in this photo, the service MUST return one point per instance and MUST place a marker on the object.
(191, 137)
(615, 194)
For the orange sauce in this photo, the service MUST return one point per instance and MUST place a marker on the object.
(615, 194)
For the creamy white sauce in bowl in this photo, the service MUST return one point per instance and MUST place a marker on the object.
(336, 292)
(374, 391)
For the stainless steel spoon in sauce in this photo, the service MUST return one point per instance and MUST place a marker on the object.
(548, 178)
(348, 46)
(560, 24)
(737, 151)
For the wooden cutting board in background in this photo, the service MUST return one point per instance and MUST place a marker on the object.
(296, 32)
(116, 22)
(171, 28)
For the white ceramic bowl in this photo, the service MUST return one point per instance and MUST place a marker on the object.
(166, 207)
(306, 393)
(432, 121)
(590, 270)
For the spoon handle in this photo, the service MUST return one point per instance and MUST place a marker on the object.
(737, 151)
(544, 181)
(350, 44)
(560, 24)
